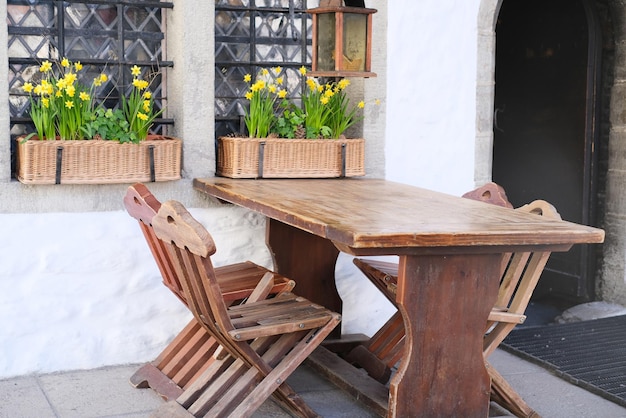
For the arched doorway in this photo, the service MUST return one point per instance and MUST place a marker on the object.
(546, 123)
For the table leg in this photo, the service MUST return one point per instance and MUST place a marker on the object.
(445, 302)
(309, 260)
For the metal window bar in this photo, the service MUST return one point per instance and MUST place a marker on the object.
(104, 35)
(255, 34)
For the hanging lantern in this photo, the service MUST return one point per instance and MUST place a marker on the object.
(342, 39)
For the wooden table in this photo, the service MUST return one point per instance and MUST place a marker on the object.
(449, 248)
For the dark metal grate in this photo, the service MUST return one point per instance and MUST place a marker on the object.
(590, 354)
(104, 35)
(255, 34)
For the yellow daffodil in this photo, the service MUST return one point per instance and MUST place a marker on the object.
(38, 90)
(142, 116)
(140, 84)
(147, 94)
(78, 66)
(264, 72)
(247, 78)
(70, 78)
(282, 94)
(324, 100)
(27, 87)
(65, 63)
(45, 66)
(70, 91)
(45, 102)
(343, 83)
(361, 104)
(272, 88)
(135, 70)
(69, 104)
(279, 81)
(249, 95)
(83, 96)
(277, 70)
(302, 70)
(146, 105)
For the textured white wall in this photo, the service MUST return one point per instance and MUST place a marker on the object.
(431, 93)
(82, 290)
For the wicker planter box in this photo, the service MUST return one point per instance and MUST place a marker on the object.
(98, 161)
(290, 158)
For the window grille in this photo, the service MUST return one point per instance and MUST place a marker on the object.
(255, 34)
(107, 36)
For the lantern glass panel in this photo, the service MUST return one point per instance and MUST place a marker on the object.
(326, 42)
(354, 41)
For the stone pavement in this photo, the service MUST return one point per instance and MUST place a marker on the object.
(105, 392)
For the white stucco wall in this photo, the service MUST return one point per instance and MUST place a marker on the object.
(81, 290)
(431, 93)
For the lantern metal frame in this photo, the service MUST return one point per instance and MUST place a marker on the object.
(342, 67)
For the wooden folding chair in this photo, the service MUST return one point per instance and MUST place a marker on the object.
(520, 274)
(192, 350)
(266, 338)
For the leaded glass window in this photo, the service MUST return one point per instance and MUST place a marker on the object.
(107, 36)
(255, 34)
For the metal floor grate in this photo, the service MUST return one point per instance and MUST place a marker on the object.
(590, 354)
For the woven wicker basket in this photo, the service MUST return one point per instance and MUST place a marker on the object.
(290, 158)
(98, 161)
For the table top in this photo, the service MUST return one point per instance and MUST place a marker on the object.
(358, 214)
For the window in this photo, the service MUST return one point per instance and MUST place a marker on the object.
(255, 34)
(105, 36)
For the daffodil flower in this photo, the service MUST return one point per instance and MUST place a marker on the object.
(45, 66)
(65, 63)
(84, 96)
(247, 78)
(27, 87)
(135, 70)
(69, 104)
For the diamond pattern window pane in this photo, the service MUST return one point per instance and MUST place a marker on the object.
(255, 34)
(107, 37)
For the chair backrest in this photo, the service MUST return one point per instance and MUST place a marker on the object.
(142, 205)
(490, 193)
(519, 279)
(190, 247)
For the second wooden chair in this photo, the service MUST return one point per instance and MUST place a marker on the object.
(192, 350)
(267, 339)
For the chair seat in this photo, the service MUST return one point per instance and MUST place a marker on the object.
(284, 313)
(237, 281)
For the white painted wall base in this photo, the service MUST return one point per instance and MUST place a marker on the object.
(82, 290)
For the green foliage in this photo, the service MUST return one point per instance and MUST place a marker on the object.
(109, 124)
(291, 120)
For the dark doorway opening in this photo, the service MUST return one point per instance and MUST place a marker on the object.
(546, 123)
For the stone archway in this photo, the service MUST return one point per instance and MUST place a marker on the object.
(611, 271)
